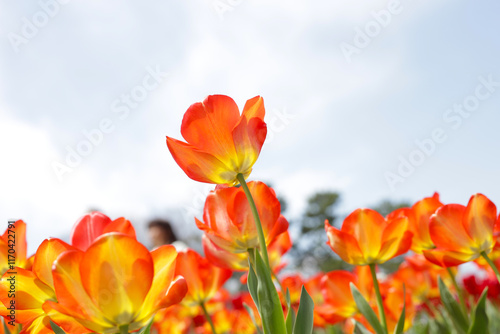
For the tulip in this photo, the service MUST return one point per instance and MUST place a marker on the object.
(367, 238)
(116, 284)
(462, 234)
(221, 143)
(229, 225)
(203, 279)
(339, 303)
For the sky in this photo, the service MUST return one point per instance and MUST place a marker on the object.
(373, 99)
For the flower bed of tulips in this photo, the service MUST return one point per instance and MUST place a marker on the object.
(105, 281)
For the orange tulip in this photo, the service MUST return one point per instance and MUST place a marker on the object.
(418, 219)
(462, 234)
(202, 277)
(338, 303)
(116, 282)
(229, 225)
(13, 242)
(221, 143)
(34, 289)
(367, 238)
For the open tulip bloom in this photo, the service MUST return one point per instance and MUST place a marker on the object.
(103, 280)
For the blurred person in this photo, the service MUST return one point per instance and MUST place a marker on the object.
(161, 233)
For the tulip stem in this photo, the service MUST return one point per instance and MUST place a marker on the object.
(380, 304)
(459, 292)
(124, 329)
(208, 317)
(253, 207)
(492, 265)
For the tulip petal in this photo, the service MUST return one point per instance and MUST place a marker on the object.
(88, 228)
(70, 291)
(223, 258)
(111, 276)
(345, 245)
(30, 294)
(249, 134)
(18, 235)
(120, 225)
(69, 324)
(164, 258)
(335, 287)
(423, 210)
(479, 221)
(208, 126)
(447, 231)
(366, 226)
(199, 165)
(176, 292)
(396, 240)
(46, 254)
(446, 258)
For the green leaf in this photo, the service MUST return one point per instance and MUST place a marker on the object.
(479, 323)
(56, 329)
(147, 328)
(401, 322)
(252, 284)
(360, 329)
(252, 316)
(305, 314)
(270, 308)
(366, 310)
(453, 308)
(290, 317)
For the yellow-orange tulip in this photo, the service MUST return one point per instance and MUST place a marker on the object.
(116, 282)
(462, 233)
(367, 238)
(229, 225)
(221, 143)
(202, 277)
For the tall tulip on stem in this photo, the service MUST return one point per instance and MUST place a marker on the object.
(367, 238)
(221, 147)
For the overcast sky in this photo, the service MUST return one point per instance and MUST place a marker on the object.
(374, 99)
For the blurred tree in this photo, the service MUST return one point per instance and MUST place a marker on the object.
(310, 251)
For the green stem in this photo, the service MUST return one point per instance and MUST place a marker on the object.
(253, 207)
(251, 257)
(459, 291)
(124, 329)
(380, 304)
(492, 265)
(208, 317)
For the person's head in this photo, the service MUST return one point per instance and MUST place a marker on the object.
(161, 233)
